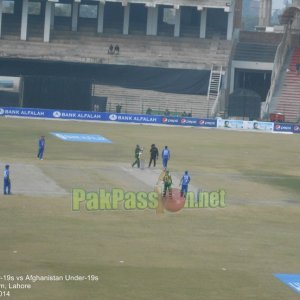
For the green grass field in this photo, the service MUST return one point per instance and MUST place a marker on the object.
(221, 253)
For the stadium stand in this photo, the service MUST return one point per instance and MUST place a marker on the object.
(255, 52)
(205, 36)
(48, 35)
(288, 101)
(138, 101)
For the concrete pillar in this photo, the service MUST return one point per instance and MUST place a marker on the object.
(238, 4)
(24, 20)
(177, 23)
(152, 19)
(75, 10)
(47, 24)
(126, 19)
(100, 17)
(203, 23)
(268, 12)
(261, 19)
(265, 11)
(149, 21)
(155, 20)
(1, 8)
(230, 25)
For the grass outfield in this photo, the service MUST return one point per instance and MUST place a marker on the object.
(222, 253)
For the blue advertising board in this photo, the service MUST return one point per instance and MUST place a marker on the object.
(207, 123)
(186, 121)
(296, 128)
(283, 127)
(77, 115)
(170, 120)
(189, 121)
(50, 114)
(103, 116)
(132, 118)
(146, 119)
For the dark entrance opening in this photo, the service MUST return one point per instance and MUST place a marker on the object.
(57, 93)
(244, 103)
(255, 80)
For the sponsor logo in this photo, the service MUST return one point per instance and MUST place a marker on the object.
(296, 128)
(88, 116)
(35, 113)
(283, 127)
(68, 115)
(1, 111)
(57, 114)
(211, 123)
(189, 121)
(113, 117)
(143, 119)
(171, 120)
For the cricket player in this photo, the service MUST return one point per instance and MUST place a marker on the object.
(167, 183)
(142, 158)
(7, 186)
(153, 155)
(184, 182)
(137, 154)
(165, 156)
(42, 142)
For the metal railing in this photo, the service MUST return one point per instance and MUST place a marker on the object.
(279, 61)
(216, 103)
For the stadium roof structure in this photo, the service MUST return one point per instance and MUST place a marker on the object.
(200, 4)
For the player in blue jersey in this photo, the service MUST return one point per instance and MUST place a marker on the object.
(184, 182)
(42, 143)
(165, 155)
(7, 186)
